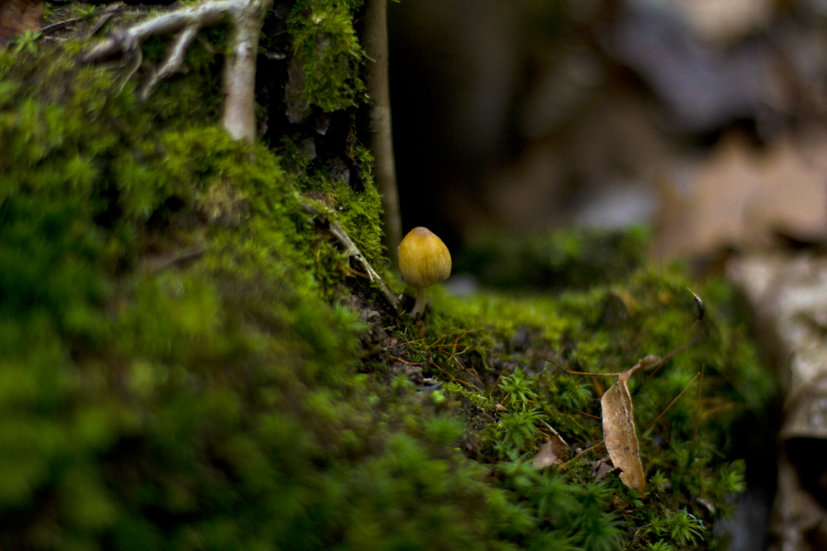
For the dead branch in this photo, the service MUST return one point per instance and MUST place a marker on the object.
(353, 252)
(153, 265)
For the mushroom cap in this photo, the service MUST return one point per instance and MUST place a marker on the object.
(423, 258)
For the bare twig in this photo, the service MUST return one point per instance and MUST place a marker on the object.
(138, 55)
(352, 251)
(554, 432)
(646, 363)
(599, 443)
(60, 25)
(156, 264)
(102, 17)
(673, 402)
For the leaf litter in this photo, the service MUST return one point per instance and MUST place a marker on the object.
(617, 413)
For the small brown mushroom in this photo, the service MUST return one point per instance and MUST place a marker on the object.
(423, 260)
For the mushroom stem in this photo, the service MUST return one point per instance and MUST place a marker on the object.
(421, 300)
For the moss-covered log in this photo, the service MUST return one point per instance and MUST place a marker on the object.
(192, 360)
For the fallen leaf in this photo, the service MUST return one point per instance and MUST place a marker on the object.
(724, 22)
(17, 17)
(552, 452)
(743, 197)
(603, 467)
(619, 432)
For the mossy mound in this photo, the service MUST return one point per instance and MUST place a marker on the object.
(190, 361)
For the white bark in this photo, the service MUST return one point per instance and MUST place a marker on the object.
(245, 18)
(239, 118)
(174, 59)
(125, 39)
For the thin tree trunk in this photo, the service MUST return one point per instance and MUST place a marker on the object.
(376, 46)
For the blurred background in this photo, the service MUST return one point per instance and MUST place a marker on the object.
(702, 118)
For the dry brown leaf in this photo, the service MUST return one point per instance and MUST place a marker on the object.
(604, 467)
(619, 432)
(552, 452)
(724, 22)
(17, 17)
(742, 196)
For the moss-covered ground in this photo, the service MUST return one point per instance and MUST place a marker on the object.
(188, 359)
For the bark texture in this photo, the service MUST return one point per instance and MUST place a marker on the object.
(376, 45)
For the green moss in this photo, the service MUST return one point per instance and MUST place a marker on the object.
(347, 195)
(189, 362)
(566, 259)
(171, 402)
(328, 52)
(520, 351)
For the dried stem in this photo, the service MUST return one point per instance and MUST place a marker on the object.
(353, 252)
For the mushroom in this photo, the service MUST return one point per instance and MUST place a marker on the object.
(423, 260)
